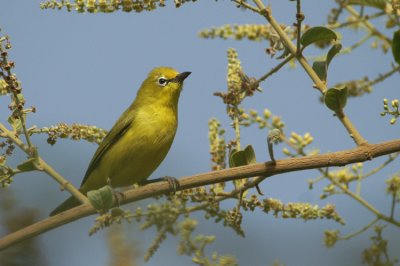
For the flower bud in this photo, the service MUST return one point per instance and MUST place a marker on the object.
(267, 113)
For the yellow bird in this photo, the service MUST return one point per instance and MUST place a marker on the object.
(140, 139)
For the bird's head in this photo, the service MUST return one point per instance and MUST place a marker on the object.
(163, 84)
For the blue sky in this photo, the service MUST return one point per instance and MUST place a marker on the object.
(86, 68)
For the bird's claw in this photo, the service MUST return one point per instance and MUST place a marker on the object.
(118, 197)
(173, 184)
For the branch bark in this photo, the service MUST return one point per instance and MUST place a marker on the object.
(341, 158)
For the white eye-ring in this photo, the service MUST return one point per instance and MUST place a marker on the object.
(162, 81)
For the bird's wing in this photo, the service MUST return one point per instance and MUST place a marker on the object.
(115, 134)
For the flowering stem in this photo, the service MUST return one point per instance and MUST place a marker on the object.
(43, 166)
(7, 75)
(23, 123)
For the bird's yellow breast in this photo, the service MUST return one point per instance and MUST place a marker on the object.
(140, 151)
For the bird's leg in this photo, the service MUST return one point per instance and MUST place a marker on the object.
(118, 196)
(172, 182)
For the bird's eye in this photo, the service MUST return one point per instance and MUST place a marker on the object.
(162, 81)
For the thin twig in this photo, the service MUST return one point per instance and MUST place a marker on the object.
(246, 5)
(365, 228)
(382, 77)
(393, 205)
(276, 68)
(299, 18)
(359, 179)
(358, 43)
(360, 19)
(391, 158)
(239, 204)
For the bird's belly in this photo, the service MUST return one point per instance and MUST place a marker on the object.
(139, 160)
(133, 159)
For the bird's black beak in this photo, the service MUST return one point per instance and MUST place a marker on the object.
(181, 77)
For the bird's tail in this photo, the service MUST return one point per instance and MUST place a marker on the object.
(66, 205)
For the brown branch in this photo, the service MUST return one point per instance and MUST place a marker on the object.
(341, 158)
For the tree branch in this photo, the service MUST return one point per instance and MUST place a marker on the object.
(341, 158)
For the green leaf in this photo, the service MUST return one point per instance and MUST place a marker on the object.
(381, 4)
(336, 98)
(28, 165)
(101, 199)
(396, 46)
(335, 49)
(321, 67)
(242, 157)
(250, 155)
(231, 163)
(237, 158)
(15, 122)
(317, 34)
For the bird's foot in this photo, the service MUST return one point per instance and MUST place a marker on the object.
(172, 182)
(118, 197)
